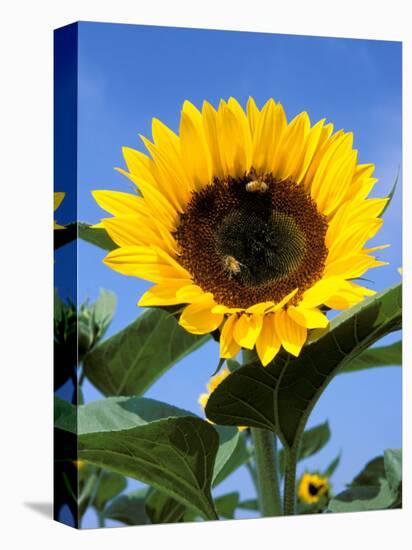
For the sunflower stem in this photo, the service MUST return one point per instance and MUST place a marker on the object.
(265, 447)
(266, 462)
(289, 497)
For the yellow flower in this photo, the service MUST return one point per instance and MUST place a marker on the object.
(312, 488)
(250, 222)
(58, 199)
(212, 385)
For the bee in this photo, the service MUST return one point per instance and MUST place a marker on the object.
(257, 186)
(231, 265)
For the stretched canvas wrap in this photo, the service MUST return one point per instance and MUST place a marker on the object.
(228, 268)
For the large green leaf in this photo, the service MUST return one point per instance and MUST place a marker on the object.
(281, 396)
(162, 508)
(97, 236)
(161, 445)
(371, 474)
(393, 468)
(129, 362)
(377, 487)
(360, 499)
(129, 508)
(383, 356)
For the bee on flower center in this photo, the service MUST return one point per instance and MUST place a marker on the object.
(231, 265)
(257, 186)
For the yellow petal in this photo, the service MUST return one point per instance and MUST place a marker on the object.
(252, 115)
(132, 230)
(228, 346)
(57, 199)
(260, 308)
(212, 138)
(291, 150)
(119, 203)
(233, 149)
(284, 301)
(190, 293)
(194, 151)
(291, 335)
(197, 318)
(143, 262)
(319, 292)
(268, 343)
(308, 318)
(351, 267)
(163, 294)
(247, 330)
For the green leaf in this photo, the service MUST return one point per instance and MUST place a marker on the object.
(239, 456)
(129, 508)
(158, 444)
(160, 508)
(103, 311)
(64, 236)
(228, 438)
(226, 505)
(110, 485)
(65, 417)
(359, 499)
(251, 504)
(371, 475)
(129, 362)
(97, 236)
(378, 486)
(383, 356)
(313, 440)
(330, 470)
(391, 193)
(393, 468)
(281, 396)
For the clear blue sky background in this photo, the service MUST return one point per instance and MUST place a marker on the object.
(130, 74)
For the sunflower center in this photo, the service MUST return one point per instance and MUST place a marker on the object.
(314, 489)
(250, 240)
(267, 245)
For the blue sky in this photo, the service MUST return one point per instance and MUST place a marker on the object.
(129, 74)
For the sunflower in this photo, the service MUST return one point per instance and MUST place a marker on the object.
(212, 385)
(312, 487)
(254, 224)
(57, 200)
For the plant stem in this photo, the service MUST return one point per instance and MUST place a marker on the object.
(267, 472)
(289, 503)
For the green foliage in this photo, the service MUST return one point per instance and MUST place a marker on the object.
(97, 236)
(110, 485)
(93, 321)
(166, 447)
(160, 508)
(128, 508)
(129, 362)
(383, 356)
(330, 470)
(281, 396)
(377, 487)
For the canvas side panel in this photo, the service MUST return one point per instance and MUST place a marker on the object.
(65, 273)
